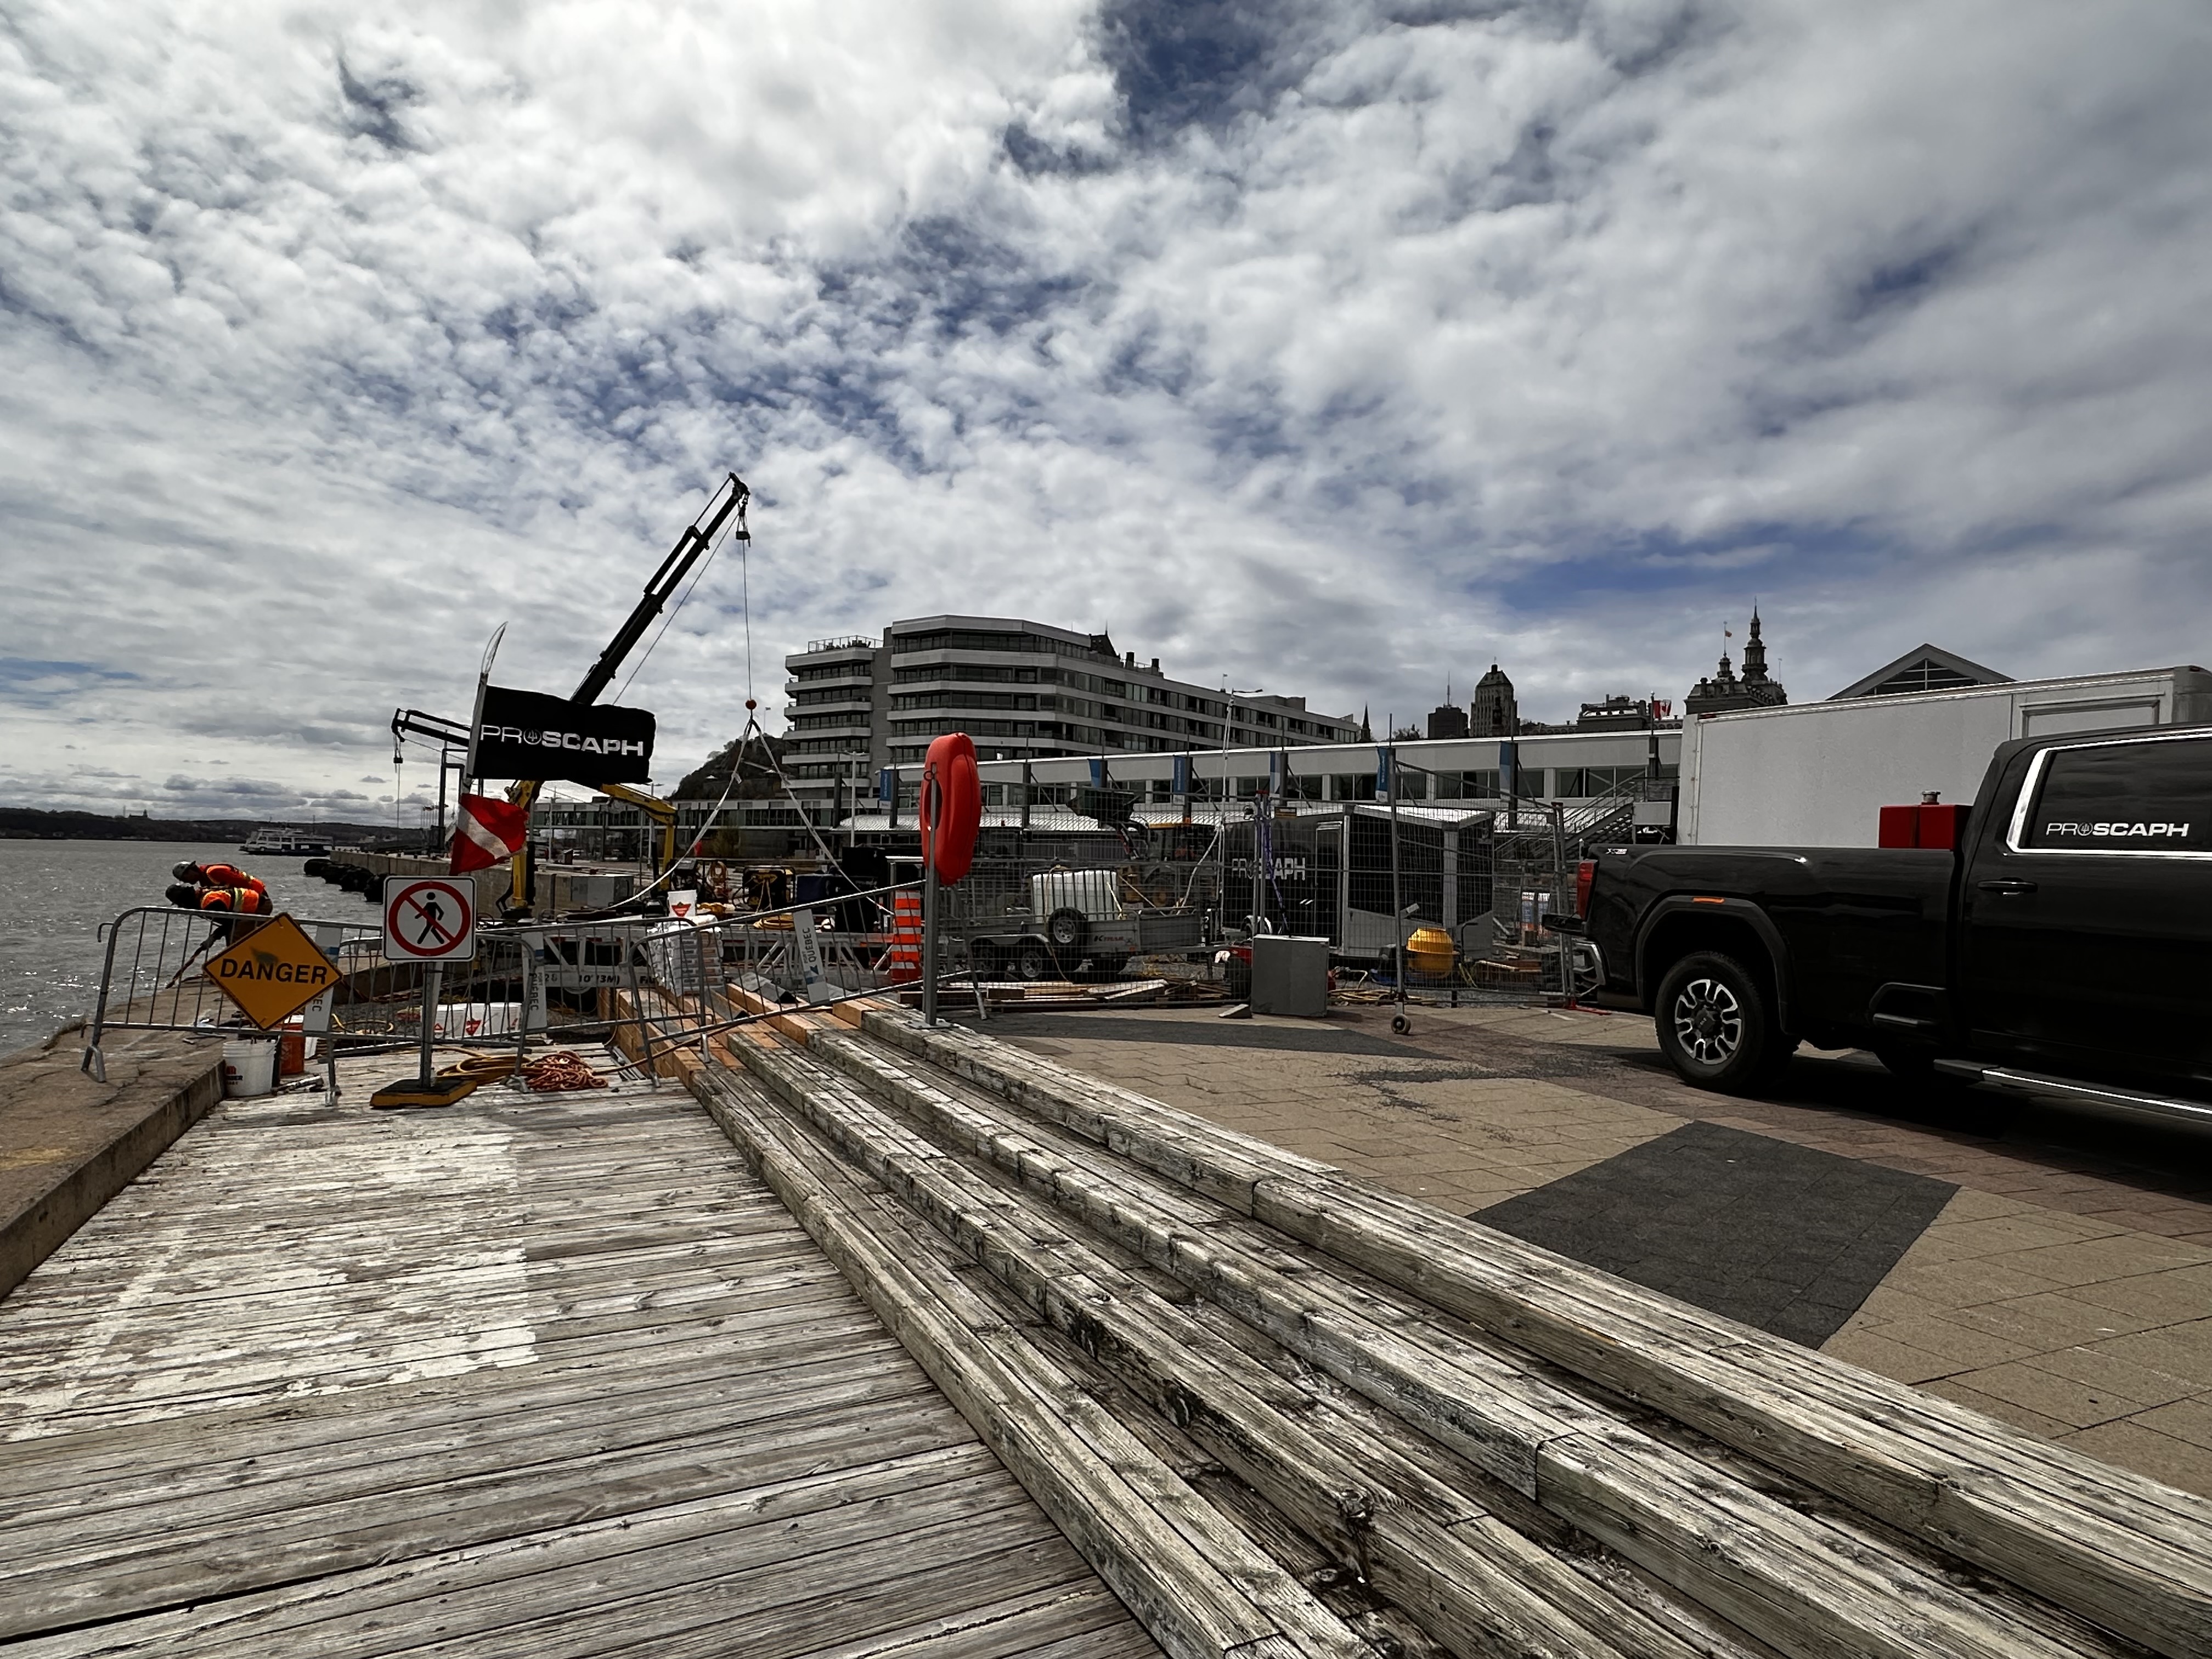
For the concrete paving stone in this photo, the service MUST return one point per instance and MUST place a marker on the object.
(2169, 1296)
(2184, 1223)
(2098, 1261)
(1946, 1339)
(2132, 1445)
(1980, 1204)
(1963, 1282)
(1788, 1239)
(2023, 1320)
(2109, 1374)
(2061, 1311)
(1878, 1352)
(2183, 1351)
(2012, 1235)
(1961, 1392)
(2077, 1405)
(1885, 1302)
(2189, 1419)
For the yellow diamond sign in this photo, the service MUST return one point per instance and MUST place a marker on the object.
(273, 972)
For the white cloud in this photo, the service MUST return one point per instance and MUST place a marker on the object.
(1338, 358)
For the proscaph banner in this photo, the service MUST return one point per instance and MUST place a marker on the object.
(527, 734)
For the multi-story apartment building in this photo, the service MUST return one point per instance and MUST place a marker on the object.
(1023, 690)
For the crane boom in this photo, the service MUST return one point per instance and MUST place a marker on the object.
(696, 539)
(436, 728)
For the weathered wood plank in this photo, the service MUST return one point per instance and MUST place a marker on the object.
(1138, 1536)
(221, 1494)
(1371, 1508)
(1952, 1479)
(33, 1471)
(1815, 1587)
(317, 1538)
(313, 1611)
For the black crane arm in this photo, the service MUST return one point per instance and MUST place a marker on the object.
(697, 539)
(414, 723)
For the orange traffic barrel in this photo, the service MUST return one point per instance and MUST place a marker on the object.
(904, 959)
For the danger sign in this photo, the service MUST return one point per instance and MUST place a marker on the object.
(430, 919)
(273, 972)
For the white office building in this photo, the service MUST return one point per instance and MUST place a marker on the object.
(1023, 690)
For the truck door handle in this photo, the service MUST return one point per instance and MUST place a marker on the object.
(2005, 885)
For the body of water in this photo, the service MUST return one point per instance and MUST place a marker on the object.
(54, 895)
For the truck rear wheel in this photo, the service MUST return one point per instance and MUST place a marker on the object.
(1067, 929)
(1715, 1025)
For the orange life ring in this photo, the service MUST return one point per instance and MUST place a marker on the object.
(951, 805)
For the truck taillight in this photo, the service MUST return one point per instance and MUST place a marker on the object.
(1585, 873)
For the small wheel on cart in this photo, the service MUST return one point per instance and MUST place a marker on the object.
(987, 959)
(1032, 962)
(1401, 1024)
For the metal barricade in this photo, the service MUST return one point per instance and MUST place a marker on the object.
(153, 978)
(678, 974)
(528, 981)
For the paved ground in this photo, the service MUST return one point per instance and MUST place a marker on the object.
(2050, 1265)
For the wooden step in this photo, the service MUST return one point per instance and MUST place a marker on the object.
(1201, 1587)
(1798, 1582)
(2123, 1552)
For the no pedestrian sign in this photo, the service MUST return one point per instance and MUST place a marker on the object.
(273, 972)
(430, 919)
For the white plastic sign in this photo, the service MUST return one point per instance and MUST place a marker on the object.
(430, 919)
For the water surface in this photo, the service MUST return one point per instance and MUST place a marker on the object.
(54, 895)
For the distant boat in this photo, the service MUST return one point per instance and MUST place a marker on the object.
(299, 843)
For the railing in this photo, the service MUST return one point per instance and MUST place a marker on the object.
(840, 642)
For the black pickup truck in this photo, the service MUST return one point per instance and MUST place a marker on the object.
(2063, 945)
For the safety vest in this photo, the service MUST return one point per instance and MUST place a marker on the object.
(243, 901)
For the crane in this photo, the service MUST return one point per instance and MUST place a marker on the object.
(727, 503)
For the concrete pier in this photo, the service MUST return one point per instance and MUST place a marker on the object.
(68, 1143)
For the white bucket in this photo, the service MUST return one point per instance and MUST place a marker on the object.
(682, 902)
(249, 1069)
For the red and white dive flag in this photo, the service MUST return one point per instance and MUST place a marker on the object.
(488, 830)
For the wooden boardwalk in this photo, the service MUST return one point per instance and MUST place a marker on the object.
(536, 1375)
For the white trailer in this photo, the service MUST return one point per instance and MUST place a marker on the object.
(1818, 774)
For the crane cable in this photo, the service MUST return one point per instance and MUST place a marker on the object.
(676, 609)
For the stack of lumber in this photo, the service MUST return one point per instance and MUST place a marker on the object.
(1285, 1411)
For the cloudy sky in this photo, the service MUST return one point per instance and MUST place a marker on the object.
(1337, 348)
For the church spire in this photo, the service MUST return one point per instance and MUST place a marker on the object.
(1754, 653)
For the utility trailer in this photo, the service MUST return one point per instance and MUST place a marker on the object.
(1819, 774)
(1071, 917)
